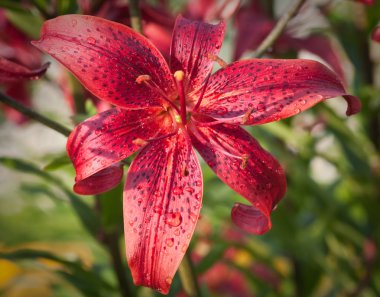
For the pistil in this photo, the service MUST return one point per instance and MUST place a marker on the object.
(179, 77)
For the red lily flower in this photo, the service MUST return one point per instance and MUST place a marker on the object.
(161, 112)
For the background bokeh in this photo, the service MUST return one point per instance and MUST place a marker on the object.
(326, 231)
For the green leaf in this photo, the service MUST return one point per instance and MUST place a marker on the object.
(57, 163)
(85, 280)
(111, 204)
(25, 21)
(85, 213)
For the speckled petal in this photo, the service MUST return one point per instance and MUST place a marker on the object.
(162, 200)
(107, 58)
(11, 72)
(100, 182)
(192, 44)
(111, 136)
(259, 91)
(241, 163)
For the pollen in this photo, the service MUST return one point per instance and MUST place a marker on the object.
(179, 75)
(142, 78)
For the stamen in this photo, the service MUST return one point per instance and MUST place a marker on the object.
(202, 94)
(179, 76)
(147, 80)
(247, 115)
(143, 78)
(218, 60)
(244, 161)
(218, 147)
(139, 142)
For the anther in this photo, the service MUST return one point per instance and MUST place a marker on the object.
(179, 75)
(139, 142)
(218, 60)
(247, 115)
(244, 161)
(143, 78)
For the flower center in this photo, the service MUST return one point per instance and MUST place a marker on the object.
(179, 77)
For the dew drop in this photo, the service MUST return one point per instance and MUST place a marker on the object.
(302, 102)
(189, 189)
(193, 217)
(184, 248)
(177, 232)
(198, 183)
(131, 222)
(198, 196)
(73, 23)
(168, 280)
(91, 40)
(173, 219)
(157, 209)
(177, 191)
(261, 107)
(169, 242)
(221, 110)
(232, 99)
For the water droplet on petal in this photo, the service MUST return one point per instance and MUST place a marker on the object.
(157, 209)
(74, 23)
(189, 189)
(193, 217)
(303, 102)
(173, 219)
(91, 40)
(221, 110)
(131, 223)
(169, 242)
(198, 183)
(198, 196)
(184, 248)
(177, 232)
(168, 280)
(177, 191)
(261, 107)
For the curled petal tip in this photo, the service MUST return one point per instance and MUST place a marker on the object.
(250, 219)
(100, 182)
(353, 104)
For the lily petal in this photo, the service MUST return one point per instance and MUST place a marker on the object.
(240, 162)
(193, 46)
(11, 72)
(259, 91)
(108, 57)
(109, 137)
(100, 182)
(162, 200)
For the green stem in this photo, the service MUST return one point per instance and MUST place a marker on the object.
(34, 115)
(135, 15)
(278, 29)
(188, 277)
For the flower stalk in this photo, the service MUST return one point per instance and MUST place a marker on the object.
(34, 115)
(278, 29)
(135, 15)
(188, 277)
